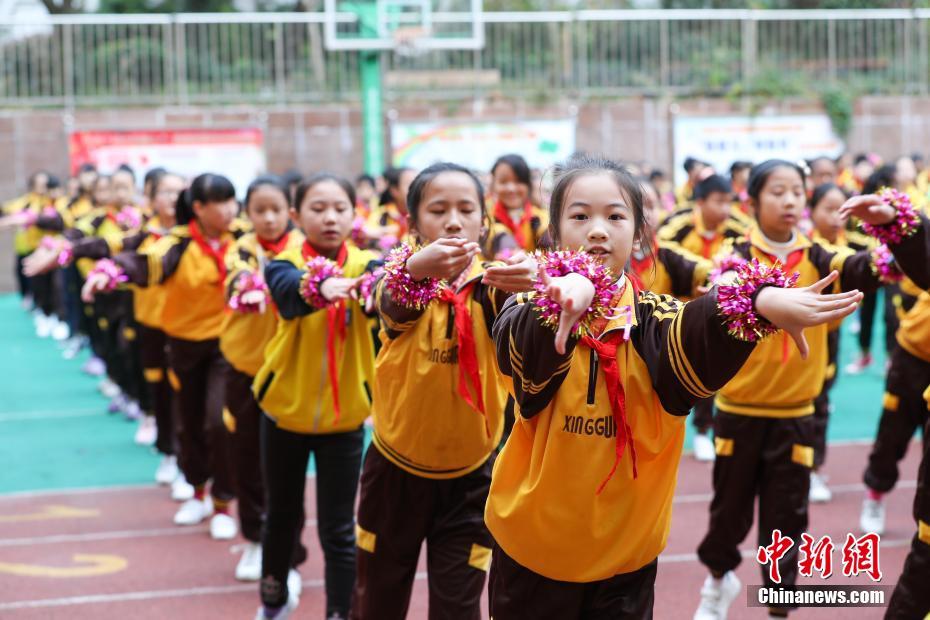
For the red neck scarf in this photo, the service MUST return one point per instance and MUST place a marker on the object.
(273, 248)
(468, 352)
(706, 245)
(606, 351)
(518, 229)
(639, 266)
(217, 254)
(335, 326)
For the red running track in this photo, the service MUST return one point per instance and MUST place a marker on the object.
(114, 553)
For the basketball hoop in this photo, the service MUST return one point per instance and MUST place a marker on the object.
(408, 41)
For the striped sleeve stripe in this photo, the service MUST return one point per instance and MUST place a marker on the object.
(529, 387)
(155, 270)
(680, 365)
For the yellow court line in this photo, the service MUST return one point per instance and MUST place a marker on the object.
(84, 565)
(52, 511)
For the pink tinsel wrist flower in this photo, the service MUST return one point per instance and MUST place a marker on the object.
(113, 272)
(903, 226)
(319, 268)
(735, 301)
(404, 290)
(246, 283)
(562, 263)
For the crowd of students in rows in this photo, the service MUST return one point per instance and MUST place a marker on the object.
(527, 406)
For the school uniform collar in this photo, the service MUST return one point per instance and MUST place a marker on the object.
(760, 241)
(627, 298)
(475, 271)
(840, 238)
(699, 227)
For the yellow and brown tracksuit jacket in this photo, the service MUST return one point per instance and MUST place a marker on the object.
(99, 224)
(421, 422)
(686, 228)
(846, 240)
(544, 509)
(245, 335)
(293, 385)
(51, 218)
(775, 382)
(671, 270)
(192, 279)
(532, 230)
(913, 333)
(148, 302)
(388, 216)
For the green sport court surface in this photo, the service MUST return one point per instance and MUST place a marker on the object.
(55, 432)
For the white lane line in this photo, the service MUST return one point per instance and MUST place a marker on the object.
(149, 595)
(857, 487)
(111, 535)
(19, 416)
(118, 488)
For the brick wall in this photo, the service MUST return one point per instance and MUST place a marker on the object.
(314, 137)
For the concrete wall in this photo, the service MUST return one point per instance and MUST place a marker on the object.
(313, 137)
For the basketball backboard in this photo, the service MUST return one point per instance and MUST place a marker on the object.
(399, 25)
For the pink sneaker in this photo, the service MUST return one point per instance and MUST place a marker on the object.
(859, 366)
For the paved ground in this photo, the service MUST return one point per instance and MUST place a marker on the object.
(84, 534)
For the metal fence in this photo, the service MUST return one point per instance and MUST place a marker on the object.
(281, 57)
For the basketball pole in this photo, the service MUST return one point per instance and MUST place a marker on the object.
(372, 90)
(372, 126)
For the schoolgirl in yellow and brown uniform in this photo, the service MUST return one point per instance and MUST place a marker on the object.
(245, 333)
(903, 407)
(115, 329)
(387, 222)
(512, 214)
(438, 409)
(27, 206)
(77, 207)
(97, 237)
(190, 265)
(764, 427)
(911, 596)
(314, 388)
(601, 416)
(703, 230)
(830, 230)
(666, 267)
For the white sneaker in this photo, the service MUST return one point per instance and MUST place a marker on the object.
(108, 388)
(43, 325)
(181, 491)
(716, 596)
(72, 348)
(118, 403)
(872, 518)
(819, 492)
(167, 471)
(295, 585)
(94, 367)
(249, 567)
(132, 412)
(145, 434)
(60, 330)
(280, 613)
(704, 448)
(223, 527)
(193, 511)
